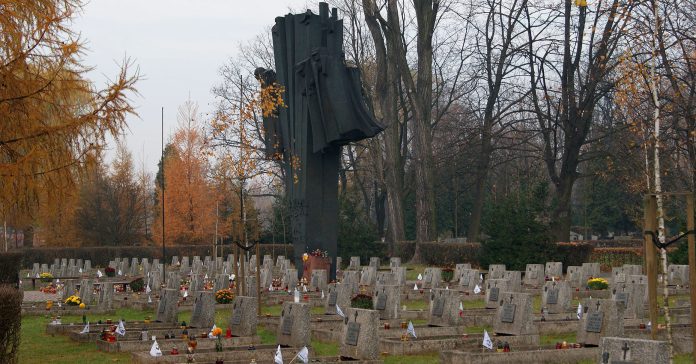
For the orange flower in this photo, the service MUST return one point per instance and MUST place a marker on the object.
(217, 331)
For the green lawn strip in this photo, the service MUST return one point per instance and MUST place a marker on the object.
(324, 349)
(478, 329)
(412, 271)
(267, 336)
(552, 339)
(687, 358)
(416, 304)
(38, 347)
(474, 304)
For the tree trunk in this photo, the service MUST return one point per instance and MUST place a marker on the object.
(484, 158)
(561, 216)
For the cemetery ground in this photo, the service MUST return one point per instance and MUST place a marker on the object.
(451, 318)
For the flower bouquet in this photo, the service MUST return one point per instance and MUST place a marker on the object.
(51, 288)
(46, 277)
(597, 284)
(73, 300)
(110, 272)
(224, 296)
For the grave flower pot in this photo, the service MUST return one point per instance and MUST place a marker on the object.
(447, 274)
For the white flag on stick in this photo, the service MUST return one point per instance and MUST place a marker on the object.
(579, 311)
(487, 342)
(420, 277)
(339, 312)
(411, 330)
(85, 330)
(415, 287)
(477, 289)
(121, 329)
(155, 349)
(278, 358)
(303, 355)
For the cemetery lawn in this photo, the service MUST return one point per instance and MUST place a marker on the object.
(412, 271)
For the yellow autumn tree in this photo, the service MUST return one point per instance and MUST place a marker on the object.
(189, 198)
(52, 116)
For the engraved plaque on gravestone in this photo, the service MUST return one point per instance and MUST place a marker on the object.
(594, 322)
(286, 329)
(552, 296)
(237, 317)
(352, 333)
(438, 307)
(382, 302)
(622, 297)
(493, 296)
(466, 279)
(332, 298)
(161, 308)
(533, 274)
(508, 313)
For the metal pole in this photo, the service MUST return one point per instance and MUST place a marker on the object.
(258, 280)
(690, 226)
(164, 252)
(651, 260)
(235, 268)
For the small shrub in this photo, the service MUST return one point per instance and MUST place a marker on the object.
(73, 300)
(361, 301)
(138, 285)
(10, 322)
(10, 264)
(110, 272)
(46, 277)
(447, 274)
(597, 284)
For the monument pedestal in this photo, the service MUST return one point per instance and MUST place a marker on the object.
(315, 263)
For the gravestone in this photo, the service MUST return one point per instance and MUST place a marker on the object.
(444, 308)
(600, 317)
(360, 339)
(339, 264)
(196, 283)
(556, 297)
(374, 262)
(494, 290)
(534, 275)
(344, 294)
(318, 280)
(134, 267)
(203, 314)
(368, 276)
(399, 274)
(632, 295)
(106, 296)
(514, 278)
(36, 269)
(244, 319)
(468, 279)
(632, 269)
(394, 262)
(386, 278)
(589, 270)
(251, 289)
(617, 276)
(155, 280)
(173, 280)
(88, 265)
(678, 275)
(387, 301)
(352, 280)
(168, 308)
(280, 260)
(625, 350)
(514, 315)
(71, 262)
(69, 287)
(267, 277)
(290, 279)
(432, 277)
(331, 299)
(294, 329)
(325, 110)
(86, 291)
(496, 271)
(459, 268)
(175, 260)
(574, 276)
(354, 263)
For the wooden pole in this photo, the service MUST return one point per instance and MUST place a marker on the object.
(258, 279)
(690, 226)
(650, 224)
(235, 268)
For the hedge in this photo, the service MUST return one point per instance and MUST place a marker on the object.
(10, 264)
(100, 256)
(10, 322)
(573, 253)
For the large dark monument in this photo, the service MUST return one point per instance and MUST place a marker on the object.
(325, 110)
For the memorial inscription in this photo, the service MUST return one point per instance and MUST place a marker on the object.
(352, 333)
(438, 307)
(332, 298)
(508, 313)
(552, 296)
(381, 302)
(594, 322)
(493, 296)
(286, 329)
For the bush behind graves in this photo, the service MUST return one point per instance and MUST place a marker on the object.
(616, 257)
(573, 253)
(439, 254)
(10, 264)
(10, 323)
(137, 285)
(356, 233)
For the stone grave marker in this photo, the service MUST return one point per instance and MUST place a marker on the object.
(387, 301)
(632, 296)
(294, 329)
(86, 291)
(339, 263)
(626, 350)
(203, 314)
(35, 269)
(617, 276)
(69, 288)
(279, 261)
(175, 260)
(514, 278)
(368, 276)
(459, 268)
(394, 262)
(600, 317)
(331, 299)
(574, 277)
(360, 340)
(88, 265)
(534, 275)
(352, 280)
(432, 277)
(290, 279)
(266, 277)
(244, 319)
(354, 263)
(589, 270)
(556, 297)
(251, 286)
(374, 262)
(399, 274)
(496, 271)
(514, 315)
(444, 307)
(387, 278)
(468, 279)
(632, 269)
(168, 308)
(71, 262)
(318, 280)
(44, 268)
(494, 290)
(678, 275)
(222, 281)
(173, 280)
(106, 296)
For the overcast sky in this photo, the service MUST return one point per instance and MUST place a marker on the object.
(179, 45)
